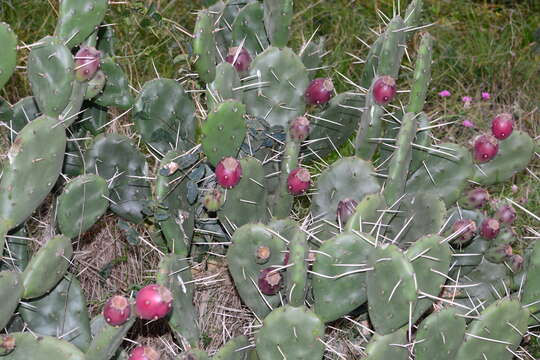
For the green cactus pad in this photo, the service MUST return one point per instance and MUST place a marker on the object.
(29, 345)
(349, 177)
(94, 118)
(423, 138)
(245, 270)
(164, 115)
(439, 336)
(278, 15)
(281, 82)
(293, 333)
(175, 274)
(391, 289)
(51, 75)
(398, 169)
(106, 339)
(371, 127)
(429, 259)
(224, 131)
(117, 160)
(47, 267)
(336, 297)
(449, 174)
(422, 75)
(246, 202)
(81, 204)
(368, 212)
(78, 19)
(311, 55)
(34, 163)
(391, 52)
(24, 111)
(296, 276)
(371, 63)
(531, 286)
(204, 46)
(334, 125)
(390, 346)
(116, 91)
(95, 85)
(428, 213)
(6, 114)
(171, 193)
(249, 25)
(8, 59)
(500, 327)
(62, 311)
(11, 290)
(224, 85)
(515, 153)
(234, 349)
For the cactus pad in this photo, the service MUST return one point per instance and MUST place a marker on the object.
(78, 19)
(439, 336)
(8, 59)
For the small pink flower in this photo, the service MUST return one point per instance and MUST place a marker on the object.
(466, 99)
(444, 93)
(468, 123)
(486, 96)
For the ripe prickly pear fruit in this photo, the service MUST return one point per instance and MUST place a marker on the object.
(384, 90)
(466, 235)
(489, 229)
(506, 214)
(239, 58)
(516, 263)
(117, 310)
(502, 126)
(143, 353)
(485, 148)
(153, 302)
(346, 209)
(7, 344)
(477, 198)
(262, 254)
(299, 129)
(228, 172)
(298, 181)
(270, 281)
(213, 200)
(87, 63)
(319, 91)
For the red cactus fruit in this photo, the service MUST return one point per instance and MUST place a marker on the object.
(299, 129)
(485, 148)
(384, 90)
(117, 310)
(506, 214)
(239, 58)
(228, 172)
(466, 235)
(516, 263)
(478, 197)
(319, 91)
(153, 302)
(502, 126)
(87, 63)
(298, 181)
(346, 209)
(270, 281)
(143, 353)
(489, 229)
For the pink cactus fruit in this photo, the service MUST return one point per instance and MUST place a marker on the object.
(87, 63)
(153, 302)
(270, 281)
(489, 229)
(117, 310)
(502, 126)
(298, 181)
(228, 172)
(319, 91)
(384, 90)
(485, 148)
(299, 129)
(143, 353)
(239, 57)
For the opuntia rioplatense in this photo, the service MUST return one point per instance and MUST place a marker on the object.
(506, 214)
(143, 353)
(346, 209)
(384, 90)
(153, 302)
(489, 229)
(502, 126)
(270, 281)
(299, 129)
(87, 63)
(228, 172)
(485, 148)
(319, 91)
(468, 231)
(298, 181)
(478, 197)
(117, 310)
(239, 58)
